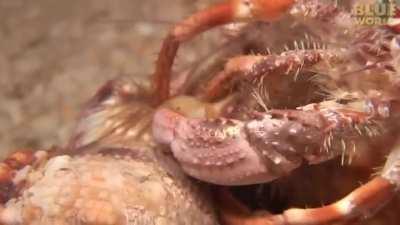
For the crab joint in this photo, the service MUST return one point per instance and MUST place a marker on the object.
(266, 10)
(360, 204)
(167, 117)
(227, 12)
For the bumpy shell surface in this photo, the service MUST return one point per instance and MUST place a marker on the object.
(105, 190)
(107, 176)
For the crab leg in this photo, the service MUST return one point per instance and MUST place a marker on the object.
(360, 204)
(10, 181)
(253, 67)
(11, 165)
(229, 11)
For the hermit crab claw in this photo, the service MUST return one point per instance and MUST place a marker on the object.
(228, 151)
(231, 152)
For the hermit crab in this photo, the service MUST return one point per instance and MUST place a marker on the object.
(266, 114)
(331, 94)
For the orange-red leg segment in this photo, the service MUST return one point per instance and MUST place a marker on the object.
(216, 15)
(362, 203)
(9, 167)
(197, 23)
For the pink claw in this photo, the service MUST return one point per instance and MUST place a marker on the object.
(232, 152)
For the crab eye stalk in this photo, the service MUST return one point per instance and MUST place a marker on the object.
(265, 10)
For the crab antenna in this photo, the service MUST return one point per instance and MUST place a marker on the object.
(223, 13)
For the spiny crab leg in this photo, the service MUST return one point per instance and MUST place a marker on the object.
(229, 11)
(359, 204)
(253, 67)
